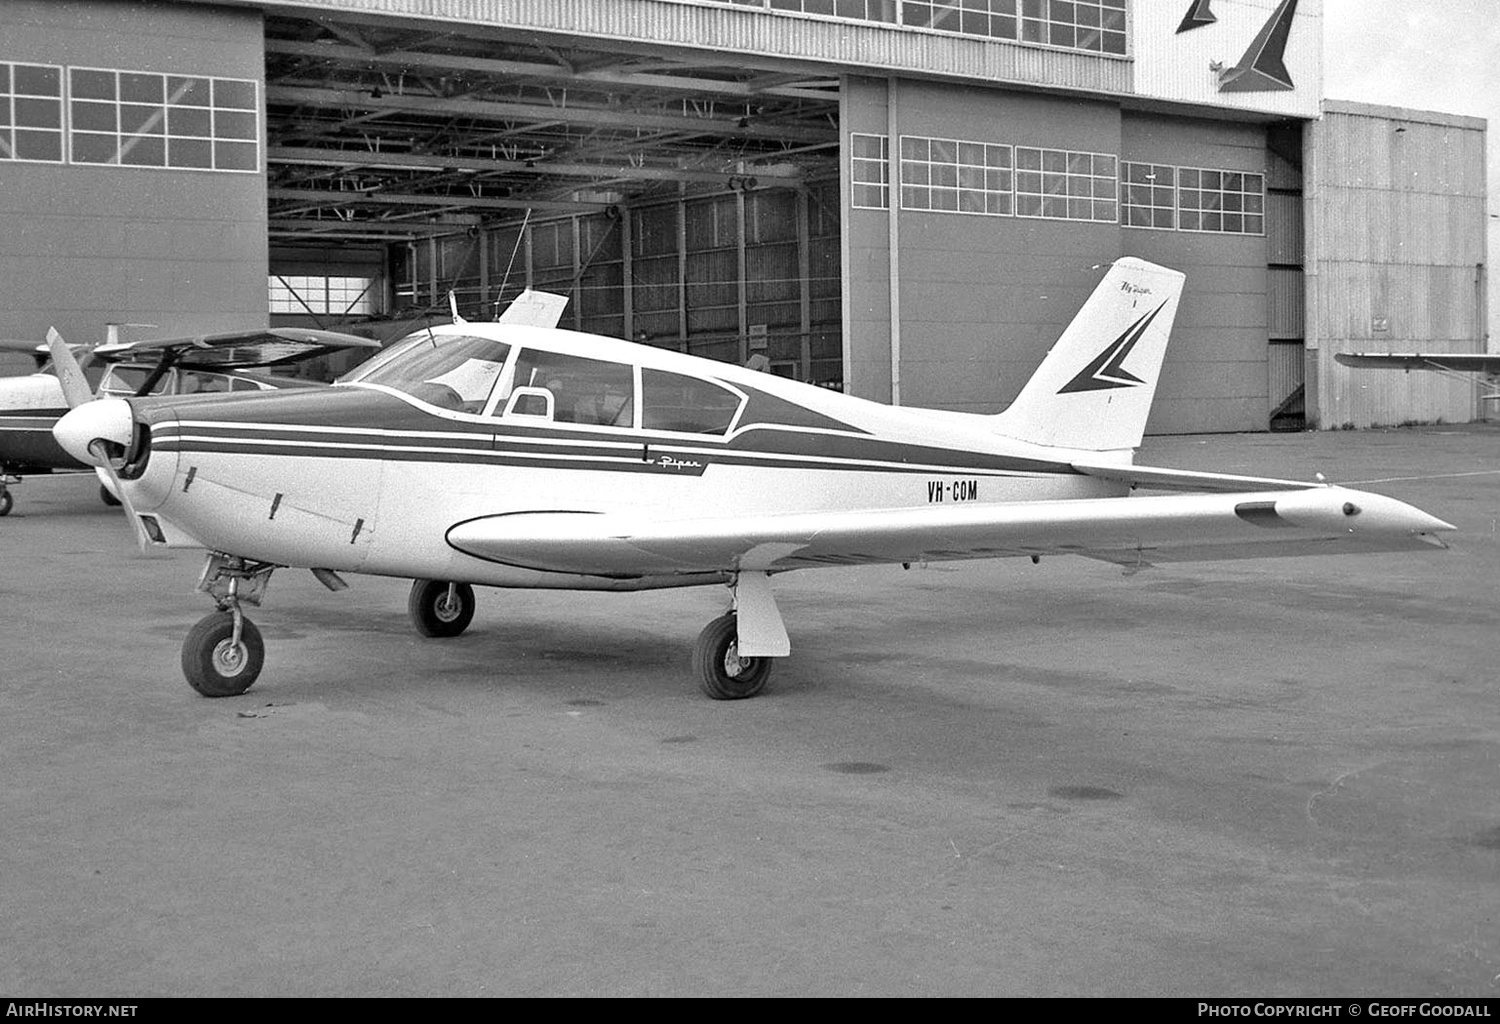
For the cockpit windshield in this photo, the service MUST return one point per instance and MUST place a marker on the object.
(451, 371)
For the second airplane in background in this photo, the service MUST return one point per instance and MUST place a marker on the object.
(31, 404)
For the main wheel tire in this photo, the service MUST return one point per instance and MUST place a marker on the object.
(7, 501)
(433, 614)
(721, 672)
(108, 498)
(213, 664)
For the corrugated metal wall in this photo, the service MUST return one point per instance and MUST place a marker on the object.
(724, 276)
(1397, 207)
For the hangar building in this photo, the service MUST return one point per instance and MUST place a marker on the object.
(906, 199)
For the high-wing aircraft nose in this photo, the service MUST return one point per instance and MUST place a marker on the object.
(106, 419)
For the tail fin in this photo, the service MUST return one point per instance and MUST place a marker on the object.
(1094, 389)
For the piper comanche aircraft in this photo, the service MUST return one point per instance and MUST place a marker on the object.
(516, 455)
(31, 404)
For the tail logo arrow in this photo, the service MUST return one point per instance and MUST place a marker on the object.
(1107, 369)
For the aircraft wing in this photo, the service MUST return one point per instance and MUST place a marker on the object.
(1135, 531)
(274, 346)
(535, 309)
(1467, 362)
(35, 348)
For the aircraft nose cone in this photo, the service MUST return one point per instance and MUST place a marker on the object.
(105, 419)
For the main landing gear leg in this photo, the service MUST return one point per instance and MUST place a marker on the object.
(732, 658)
(223, 654)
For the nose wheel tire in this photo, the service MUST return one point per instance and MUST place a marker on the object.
(7, 501)
(721, 672)
(214, 664)
(437, 613)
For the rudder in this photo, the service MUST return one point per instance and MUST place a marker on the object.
(1094, 389)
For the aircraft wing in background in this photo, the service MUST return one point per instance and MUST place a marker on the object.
(273, 346)
(1464, 362)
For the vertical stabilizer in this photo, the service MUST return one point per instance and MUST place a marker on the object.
(1094, 389)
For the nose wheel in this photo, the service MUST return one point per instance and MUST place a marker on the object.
(7, 500)
(223, 654)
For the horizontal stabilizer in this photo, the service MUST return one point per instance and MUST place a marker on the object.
(1186, 480)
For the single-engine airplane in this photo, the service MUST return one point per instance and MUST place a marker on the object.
(31, 404)
(512, 455)
(1458, 365)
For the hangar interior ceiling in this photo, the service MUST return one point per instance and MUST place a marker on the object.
(380, 131)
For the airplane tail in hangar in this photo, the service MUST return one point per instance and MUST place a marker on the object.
(1093, 392)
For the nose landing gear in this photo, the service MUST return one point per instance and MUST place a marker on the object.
(223, 654)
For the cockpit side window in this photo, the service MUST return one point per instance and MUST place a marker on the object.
(589, 391)
(451, 371)
(126, 379)
(672, 401)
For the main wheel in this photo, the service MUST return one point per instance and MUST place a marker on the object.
(7, 501)
(721, 672)
(214, 664)
(107, 497)
(434, 614)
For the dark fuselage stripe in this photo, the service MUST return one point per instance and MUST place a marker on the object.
(779, 448)
(636, 461)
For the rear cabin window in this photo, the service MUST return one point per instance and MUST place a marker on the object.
(671, 401)
(590, 391)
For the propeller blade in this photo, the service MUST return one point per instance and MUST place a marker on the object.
(75, 386)
(77, 391)
(99, 450)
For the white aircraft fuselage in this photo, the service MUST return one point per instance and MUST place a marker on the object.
(522, 456)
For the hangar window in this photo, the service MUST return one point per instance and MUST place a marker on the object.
(1061, 184)
(1227, 202)
(341, 296)
(1094, 25)
(31, 112)
(953, 176)
(143, 119)
(1150, 199)
(869, 171)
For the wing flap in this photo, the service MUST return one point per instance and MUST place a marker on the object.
(1121, 530)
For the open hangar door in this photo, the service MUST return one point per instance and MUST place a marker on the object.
(676, 198)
